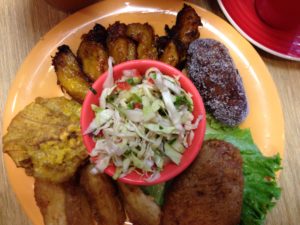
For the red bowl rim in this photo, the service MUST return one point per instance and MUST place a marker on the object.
(171, 170)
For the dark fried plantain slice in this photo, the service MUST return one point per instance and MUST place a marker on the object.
(141, 208)
(92, 54)
(103, 197)
(69, 74)
(116, 30)
(167, 50)
(120, 47)
(186, 28)
(144, 35)
(62, 204)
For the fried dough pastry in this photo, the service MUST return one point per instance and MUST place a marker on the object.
(62, 204)
(210, 191)
(144, 35)
(92, 54)
(45, 139)
(186, 28)
(120, 47)
(69, 74)
(213, 72)
(141, 208)
(103, 197)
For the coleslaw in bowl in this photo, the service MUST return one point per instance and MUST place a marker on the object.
(143, 123)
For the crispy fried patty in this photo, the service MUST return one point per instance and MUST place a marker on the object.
(213, 72)
(210, 191)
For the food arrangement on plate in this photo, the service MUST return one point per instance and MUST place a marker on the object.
(230, 181)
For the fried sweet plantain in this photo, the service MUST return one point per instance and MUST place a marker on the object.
(141, 208)
(186, 28)
(116, 30)
(45, 139)
(144, 35)
(62, 204)
(167, 51)
(92, 53)
(69, 74)
(120, 47)
(172, 48)
(103, 197)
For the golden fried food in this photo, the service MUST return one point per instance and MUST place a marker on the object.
(103, 197)
(50, 198)
(210, 191)
(141, 208)
(168, 52)
(186, 28)
(69, 74)
(144, 35)
(92, 53)
(45, 139)
(116, 30)
(62, 204)
(120, 47)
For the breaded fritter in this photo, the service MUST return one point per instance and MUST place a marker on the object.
(92, 53)
(62, 204)
(69, 74)
(120, 47)
(213, 72)
(103, 196)
(144, 35)
(45, 139)
(210, 191)
(186, 28)
(141, 208)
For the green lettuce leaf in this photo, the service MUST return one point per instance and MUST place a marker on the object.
(260, 188)
(156, 191)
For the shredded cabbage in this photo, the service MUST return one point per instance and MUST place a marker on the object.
(142, 123)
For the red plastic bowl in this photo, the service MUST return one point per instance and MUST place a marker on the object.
(170, 170)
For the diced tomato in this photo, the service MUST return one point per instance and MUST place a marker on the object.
(123, 85)
(136, 73)
(100, 134)
(150, 80)
(137, 105)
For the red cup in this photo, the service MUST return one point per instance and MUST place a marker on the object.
(278, 13)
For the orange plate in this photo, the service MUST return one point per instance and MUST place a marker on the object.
(36, 76)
